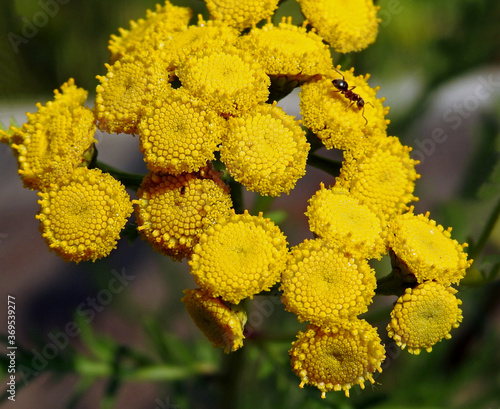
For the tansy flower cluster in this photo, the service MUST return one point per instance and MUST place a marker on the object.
(202, 99)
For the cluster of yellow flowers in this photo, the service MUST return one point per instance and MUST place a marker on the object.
(203, 96)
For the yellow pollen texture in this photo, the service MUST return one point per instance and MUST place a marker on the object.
(241, 14)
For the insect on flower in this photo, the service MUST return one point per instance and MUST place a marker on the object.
(343, 87)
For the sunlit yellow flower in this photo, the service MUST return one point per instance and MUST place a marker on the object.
(347, 25)
(288, 50)
(231, 82)
(265, 150)
(336, 120)
(179, 133)
(424, 316)
(427, 249)
(128, 86)
(221, 323)
(53, 141)
(10, 134)
(239, 256)
(338, 357)
(322, 284)
(241, 13)
(337, 216)
(81, 218)
(149, 33)
(380, 174)
(173, 211)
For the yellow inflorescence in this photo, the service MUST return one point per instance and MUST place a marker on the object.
(221, 323)
(241, 14)
(322, 284)
(424, 315)
(173, 211)
(335, 119)
(81, 219)
(53, 141)
(427, 249)
(347, 25)
(179, 133)
(337, 216)
(338, 357)
(265, 150)
(239, 256)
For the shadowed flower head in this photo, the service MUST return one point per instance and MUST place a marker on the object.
(337, 357)
(241, 14)
(81, 218)
(221, 323)
(424, 315)
(239, 256)
(322, 284)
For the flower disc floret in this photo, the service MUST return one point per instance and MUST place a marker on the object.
(337, 357)
(221, 323)
(265, 150)
(173, 211)
(179, 133)
(336, 216)
(241, 14)
(424, 315)
(81, 219)
(239, 256)
(347, 25)
(427, 249)
(322, 284)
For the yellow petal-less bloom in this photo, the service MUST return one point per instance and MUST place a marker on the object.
(241, 14)
(239, 256)
(81, 218)
(54, 140)
(424, 316)
(231, 82)
(149, 33)
(427, 249)
(322, 284)
(347, 25)
(380, 174)
(337, 121)
(173, 211)
(338, 217)
(221, 323)
(179, 133)
(338, 357)
(288, 50)
(265, 150)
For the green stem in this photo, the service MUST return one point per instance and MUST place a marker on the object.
(130, 180)
(327, 165)
(477, 248)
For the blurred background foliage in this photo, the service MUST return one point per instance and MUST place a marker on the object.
(424, 52)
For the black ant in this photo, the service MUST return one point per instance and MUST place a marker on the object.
(343, 87)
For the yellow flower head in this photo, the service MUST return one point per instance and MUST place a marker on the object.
(335, 119)
(241, 14)
(347, 25)
(82, 217)
(150, 33)
(338, 217)
(53, 141)
(222, 324)
(380, 174)
(265, 150)
(424, 315)
(173, 211)
(231, 82)
(287, 50)
(338, 357)
(179, 133)
(239, 256)
(128, 86)
(322, 284)
(427, 249)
